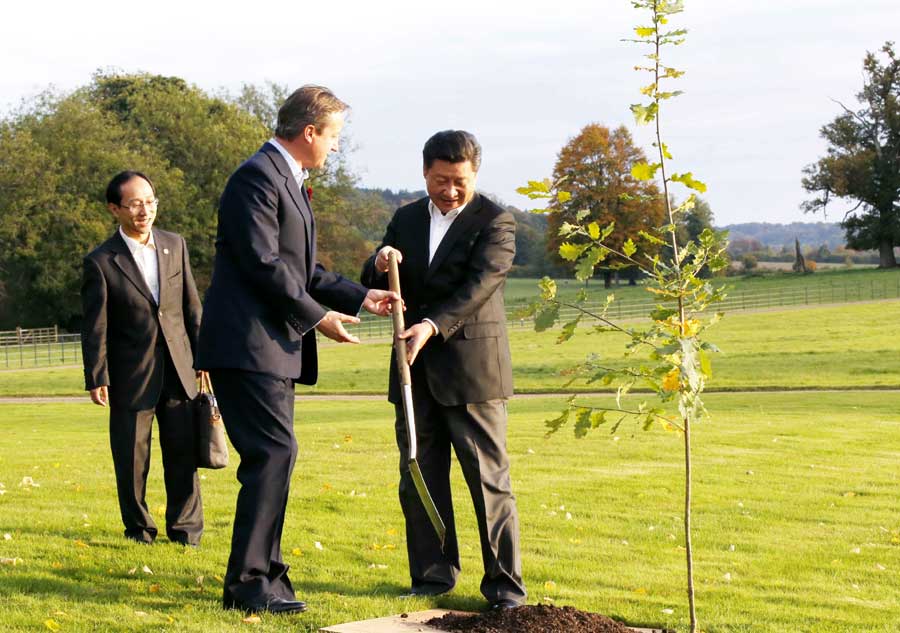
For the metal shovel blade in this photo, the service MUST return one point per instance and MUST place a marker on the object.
(405, 378)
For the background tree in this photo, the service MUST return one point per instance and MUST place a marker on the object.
(596, 169)
(862, 162)
(58, 151)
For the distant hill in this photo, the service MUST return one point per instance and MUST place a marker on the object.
(778, 235)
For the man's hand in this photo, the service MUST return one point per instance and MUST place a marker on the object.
(332, 326)
(381, 260)
(100, 395)
(379, 301)
(416, 337)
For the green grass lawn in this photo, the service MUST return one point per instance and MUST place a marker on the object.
(525, 290)
(849, 345)
(797, 521)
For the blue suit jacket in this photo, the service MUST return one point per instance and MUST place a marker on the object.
(266, 290)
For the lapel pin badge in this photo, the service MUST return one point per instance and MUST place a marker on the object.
(165, 251)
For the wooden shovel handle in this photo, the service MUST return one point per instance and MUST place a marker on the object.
(397, 317)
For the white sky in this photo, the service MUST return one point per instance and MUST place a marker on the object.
(523, 76)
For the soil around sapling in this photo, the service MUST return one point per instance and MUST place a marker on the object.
(539, 618)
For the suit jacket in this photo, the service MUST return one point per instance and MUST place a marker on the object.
(461, 291)
(266, 290)
(125, 332)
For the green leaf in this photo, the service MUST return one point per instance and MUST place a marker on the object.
(548, 289)
(567, 228)
(594, 230)
(555, 424)
(585, 269)
(563, 196)
(568, 330)
(644, 114)
(644, 171)
(546, 317)
(665, 151)
(628, 248)
(582, 214)
(705, 364)
(687, 179)
(607, 231)
(582, 421)
(598, 418)
(570, 252)
(650, 238)
(669, 95)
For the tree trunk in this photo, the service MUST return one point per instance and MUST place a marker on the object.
(886, 257)
(607, 278)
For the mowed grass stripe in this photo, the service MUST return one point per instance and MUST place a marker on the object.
(845, 346)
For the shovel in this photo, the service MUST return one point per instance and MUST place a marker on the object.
(409, 414)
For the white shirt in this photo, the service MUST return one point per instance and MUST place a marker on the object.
(440, 224)
(145, 257)
(298, 172)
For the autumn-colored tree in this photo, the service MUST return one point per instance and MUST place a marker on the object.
(596, 169)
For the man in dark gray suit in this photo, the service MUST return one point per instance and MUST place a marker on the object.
(258, 335)
(141, 320)
(456, 248)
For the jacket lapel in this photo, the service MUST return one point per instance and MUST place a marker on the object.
(163, 257)
(293, 188)
(123, 259)
(459, 228)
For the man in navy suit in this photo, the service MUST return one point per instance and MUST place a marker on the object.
(258, 333)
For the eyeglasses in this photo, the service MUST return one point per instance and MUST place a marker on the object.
(137, 205)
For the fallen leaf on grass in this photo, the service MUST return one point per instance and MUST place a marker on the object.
(855, 550)
(391, 532)
(132, 571)
(7, 537)
(51, 624)
(218, 579)
(378, 566)
(727, 577)
(640, 591)
(297, 551)
(549, 586)
(154, 588)
(28, 482)
(11, 561)
(81, 544)
(141, 614)
(318, 545)
(252, 619)
(147, 570)
(667, 611)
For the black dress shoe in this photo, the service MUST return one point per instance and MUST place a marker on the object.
(504, 604)
(274, 605)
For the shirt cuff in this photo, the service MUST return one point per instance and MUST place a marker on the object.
(434, 328)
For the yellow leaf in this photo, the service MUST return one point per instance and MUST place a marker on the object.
(56, 565)
(51, 624)
(348, 438)
(549, 586)
(594, 230)
(640, 591)
(691, 327)
(218, 579)
(644, 31)
(670, 381)
(390, 546)
(154, 588)
(170, 619)
(297, 551)
(252, 619)
(392, 532)
(81, 544)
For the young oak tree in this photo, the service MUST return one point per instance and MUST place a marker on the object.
(674, 359)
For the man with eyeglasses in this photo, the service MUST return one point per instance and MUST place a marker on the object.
(139, 333)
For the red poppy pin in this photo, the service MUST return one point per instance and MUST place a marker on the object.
(309, 192)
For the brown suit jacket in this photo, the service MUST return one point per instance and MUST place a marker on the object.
(461, 291)
(125, 333)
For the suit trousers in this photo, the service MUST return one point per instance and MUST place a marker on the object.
(258, 412)
(130, 434)
(477, 433)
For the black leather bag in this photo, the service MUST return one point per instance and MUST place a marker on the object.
(209, 431)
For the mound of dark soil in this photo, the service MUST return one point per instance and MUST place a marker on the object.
(538, 618)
